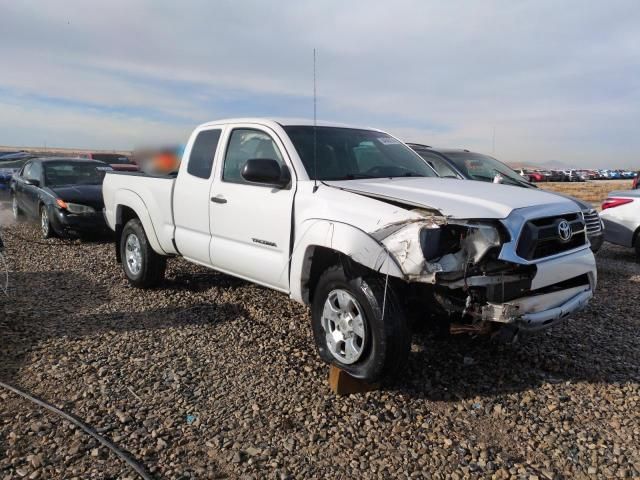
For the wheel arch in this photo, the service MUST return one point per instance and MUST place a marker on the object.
(324, 243)
(634, 239)
(129, 206)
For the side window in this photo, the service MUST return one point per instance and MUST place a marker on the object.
(27, 173)
(36, 172)
(439, 165)
(203, 153)
(245, 144)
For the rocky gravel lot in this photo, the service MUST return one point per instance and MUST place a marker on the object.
(212, 377)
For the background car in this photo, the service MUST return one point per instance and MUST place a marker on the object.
(14, 155)
(535, 176)
(467, 165)
(636, 181)
(7, 170)
(65, 194)
(5, 176)
(116, 161)
(621, 217)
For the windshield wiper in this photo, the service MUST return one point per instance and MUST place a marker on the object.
(355, 176)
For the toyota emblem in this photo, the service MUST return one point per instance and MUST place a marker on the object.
(564, 231)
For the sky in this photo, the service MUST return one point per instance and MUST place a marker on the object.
(529, 81)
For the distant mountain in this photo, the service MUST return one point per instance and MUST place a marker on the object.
(556, 165)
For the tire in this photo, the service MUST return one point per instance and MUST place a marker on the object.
(637, 247)
(46, 230)
(142, 266)
(15, 209)
(385, 342)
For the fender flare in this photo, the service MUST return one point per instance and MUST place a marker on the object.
(130, 199)
(357, 244)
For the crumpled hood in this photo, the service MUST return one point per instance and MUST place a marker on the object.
(454, 198)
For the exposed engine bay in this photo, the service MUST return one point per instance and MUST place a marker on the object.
(454, 273)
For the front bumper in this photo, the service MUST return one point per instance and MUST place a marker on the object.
(67, 223)
(539, 311)
(596, 241)
(548, 302)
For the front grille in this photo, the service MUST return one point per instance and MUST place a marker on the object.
(592, 221)
(540, 237)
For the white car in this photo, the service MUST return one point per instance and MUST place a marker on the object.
(356, 225)
(621, 217)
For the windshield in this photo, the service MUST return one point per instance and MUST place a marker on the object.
(74, 173)
(484, 168)
(349, 154)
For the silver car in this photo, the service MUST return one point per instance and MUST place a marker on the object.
(621, 217)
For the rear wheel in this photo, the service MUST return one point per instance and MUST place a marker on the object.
(350, 329)
(637, 247)
(143, 267)
(45, 223)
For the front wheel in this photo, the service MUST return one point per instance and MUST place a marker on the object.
(15, 208)
(637, 247)
(143, 267)
(350, 329)
(45, 222)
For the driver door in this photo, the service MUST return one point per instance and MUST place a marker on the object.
(251, 223)
(24, 192)
(32, 192)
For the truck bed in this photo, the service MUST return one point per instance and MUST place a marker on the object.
(153, 194)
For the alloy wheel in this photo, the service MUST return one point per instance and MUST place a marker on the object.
(44, 222)
(133, 254)
(344, 326)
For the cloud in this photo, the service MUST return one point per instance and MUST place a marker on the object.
(555, 81)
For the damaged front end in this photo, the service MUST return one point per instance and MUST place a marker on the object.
(455, 273)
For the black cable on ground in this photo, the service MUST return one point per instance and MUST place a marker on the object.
(140, 470)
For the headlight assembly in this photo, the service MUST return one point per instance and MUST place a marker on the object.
(75, 208)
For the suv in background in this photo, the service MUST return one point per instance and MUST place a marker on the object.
(467, 165)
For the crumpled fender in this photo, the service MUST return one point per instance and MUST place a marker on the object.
(128, 198)
(358, 245)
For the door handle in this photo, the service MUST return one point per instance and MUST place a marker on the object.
(218, 199)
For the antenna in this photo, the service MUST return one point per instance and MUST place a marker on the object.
(315, 120)
(493, 147)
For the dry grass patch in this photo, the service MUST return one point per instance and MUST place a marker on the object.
(594, 192)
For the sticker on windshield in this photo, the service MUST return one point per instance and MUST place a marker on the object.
(388, 140)
(104, 169)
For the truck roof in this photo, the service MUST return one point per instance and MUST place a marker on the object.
(284, 122)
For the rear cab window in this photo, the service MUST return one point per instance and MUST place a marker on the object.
(203, 153)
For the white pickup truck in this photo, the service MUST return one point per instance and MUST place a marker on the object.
(355, 224)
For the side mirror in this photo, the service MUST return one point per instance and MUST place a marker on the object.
(266, 171)
(33, 182)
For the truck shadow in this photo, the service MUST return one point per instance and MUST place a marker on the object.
(70, 310)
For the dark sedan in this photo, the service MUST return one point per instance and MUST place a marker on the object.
(64, 194)
(466, 165)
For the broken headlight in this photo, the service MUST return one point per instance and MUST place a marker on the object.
(454, 246)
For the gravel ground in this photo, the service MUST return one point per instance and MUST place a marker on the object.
(213, 377)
